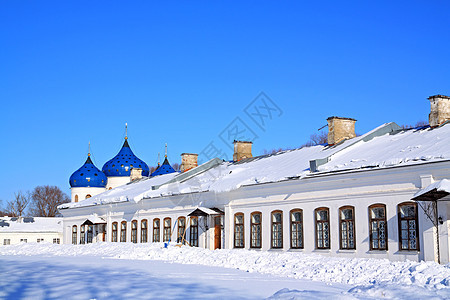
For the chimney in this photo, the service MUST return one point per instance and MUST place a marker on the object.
(242, 149)
(340, 129)
(440, 110)
(136, 173)
(188, 161)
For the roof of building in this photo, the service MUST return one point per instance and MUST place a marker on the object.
(123, 162)
(31, 224)
(165, 168)
(386, 146)
(88, 175)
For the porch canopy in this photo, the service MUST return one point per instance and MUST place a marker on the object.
(92, 220)
(434, 192)
(203, 212)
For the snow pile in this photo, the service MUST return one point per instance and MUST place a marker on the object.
(370, 275)
(31, 224)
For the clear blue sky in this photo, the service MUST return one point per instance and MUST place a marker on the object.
(180, 72)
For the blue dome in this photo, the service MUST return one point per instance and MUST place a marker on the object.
(123, 162)
(88, 176)
(165, 168)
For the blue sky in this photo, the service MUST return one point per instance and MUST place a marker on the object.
(181, 72)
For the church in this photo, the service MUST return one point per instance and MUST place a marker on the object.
(384, 194)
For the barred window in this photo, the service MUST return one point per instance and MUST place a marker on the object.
(194, 232)
(408, 226)
(378, 227)
(134, 231)
(255, 230)
(156, 231)
(239, 230)
(296, 229)
(114, 232)
(56, 241)
(90, 234)
(74, 234)
(82, 234)
(144, 231)
(123, 231)
(277, 229)
(167, 230)
(181, 230)
(322, 228)
(347, 227)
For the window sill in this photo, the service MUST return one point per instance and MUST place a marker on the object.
(346, 251)
(276, 249)
(322, 250)
(406, 252)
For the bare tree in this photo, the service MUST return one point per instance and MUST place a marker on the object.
(45, 200)
(176, 166)
(18, 205)
(430, 210)
(418, 124)
(2, 210)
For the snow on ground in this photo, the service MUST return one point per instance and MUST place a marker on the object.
(152, 271)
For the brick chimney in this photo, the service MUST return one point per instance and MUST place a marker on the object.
(440, 110)
(136, 173)
(242, 149)
(340, 129)
(188, 161)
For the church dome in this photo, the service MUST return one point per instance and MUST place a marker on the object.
(165, 168)
(123, 162)
(88, 176)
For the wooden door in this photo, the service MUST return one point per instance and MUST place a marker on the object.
(217, 233)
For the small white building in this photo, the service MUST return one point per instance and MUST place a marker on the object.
(379, 195)
(15, 230)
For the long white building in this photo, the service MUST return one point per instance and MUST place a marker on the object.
(380, 195)
(16, 230)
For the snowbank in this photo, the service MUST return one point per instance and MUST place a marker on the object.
(371, 276)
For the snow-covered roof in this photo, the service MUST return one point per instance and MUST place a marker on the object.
(385, 146)
(31, 224)
(438, 186)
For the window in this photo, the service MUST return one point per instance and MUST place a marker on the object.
(76, 198)
(123, 231)
(255, 230)
(277, 229)
(378, 227)
(82, 235)
(181, 230)
(134, 231)
(296, 229)
(39, 240)
(322, 228)
(88, 196)
(7, 242)
(156, 231)
(347, 227)
(239, 230)
(90, 233)
(74, 234)
(167, 232)
(194, 232)
(56, 241)
(114, 232)
(25, 240)
(408, 226)
(144, 231)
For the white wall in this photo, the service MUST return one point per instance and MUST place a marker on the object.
(83, 191)
(31, 237)
(117, 181)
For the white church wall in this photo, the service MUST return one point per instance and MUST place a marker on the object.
(116, 181)
(82, 192)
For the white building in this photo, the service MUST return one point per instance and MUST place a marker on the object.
(350, 197)
(30, 230)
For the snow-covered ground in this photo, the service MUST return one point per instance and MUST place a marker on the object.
(149, 271)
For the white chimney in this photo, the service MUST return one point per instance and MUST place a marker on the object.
(340, 129)
(440, 110)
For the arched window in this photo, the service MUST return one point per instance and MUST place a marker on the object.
(144, 231)
(378, 227)
(255, 229)
(156, 231)
(167, 233)
(181, 238)
(347, 227)
(194, 232)
(239, 230)
(74, 234)
(322, 228)
(114, 232)
(296, 218)
(123, 231)
(134, 231)
(277, 229)
(408, 226)
(82, 235)
(76, 198)
(88, 196)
